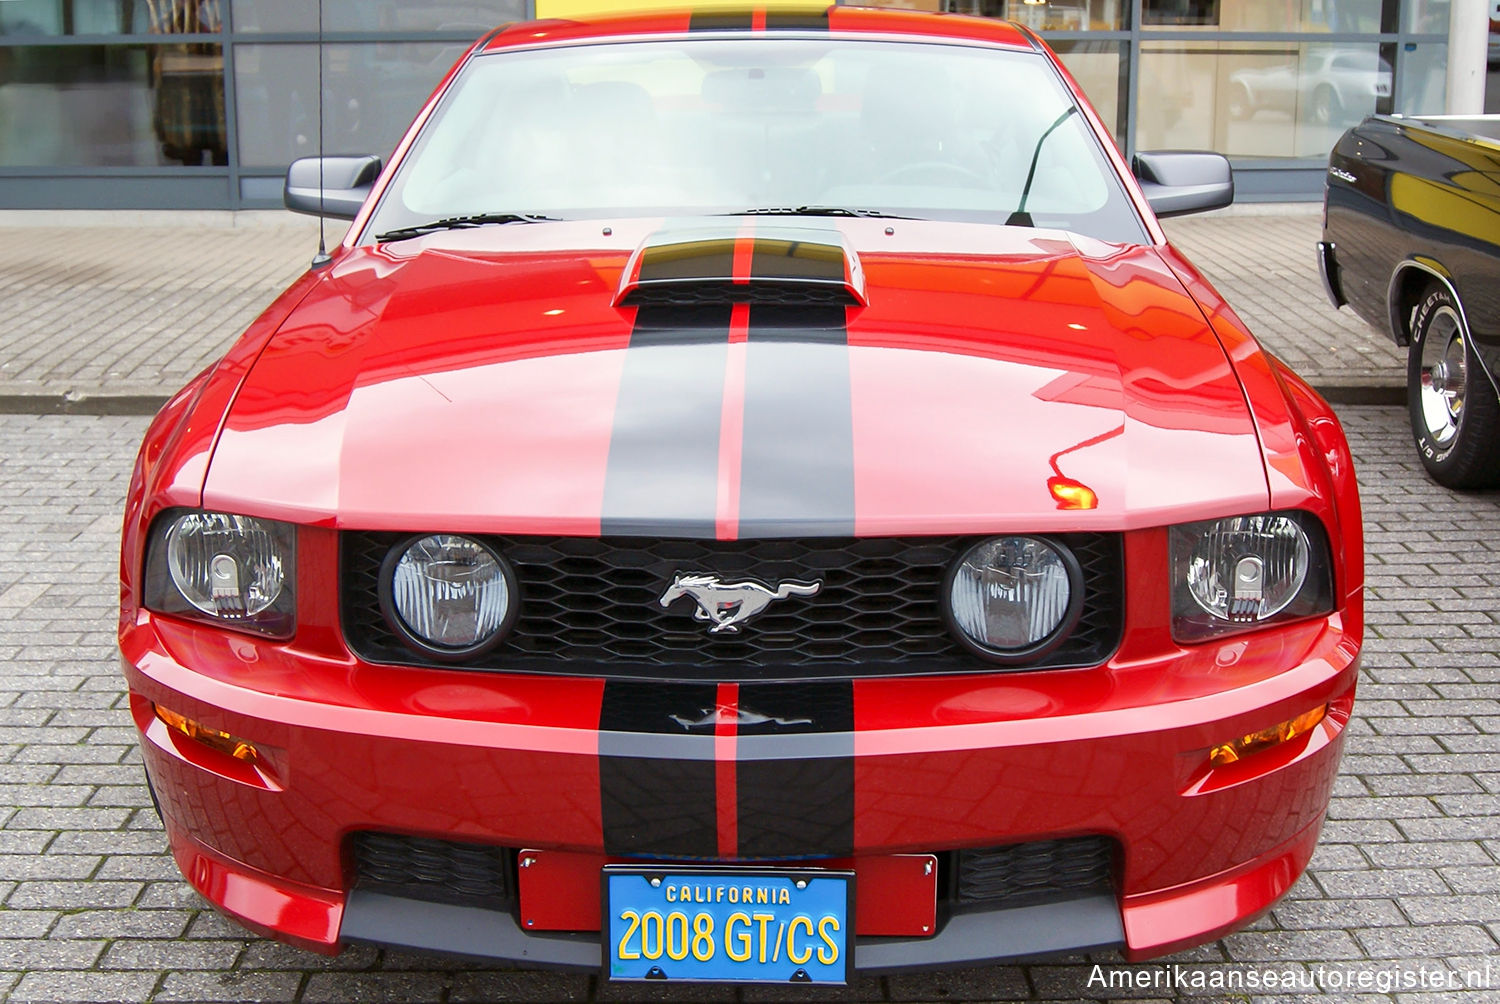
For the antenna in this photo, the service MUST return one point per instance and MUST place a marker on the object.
(322, 257)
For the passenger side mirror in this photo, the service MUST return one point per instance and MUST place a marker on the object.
(335, 187)
(1177, 182)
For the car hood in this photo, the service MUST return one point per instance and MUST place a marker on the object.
(886, 377)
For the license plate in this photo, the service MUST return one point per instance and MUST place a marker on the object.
(684, 924)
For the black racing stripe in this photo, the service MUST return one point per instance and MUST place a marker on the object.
(708, 21)
(797, 455)
(796, 21)
(662, 475)
(785, 259)
(651, 805)
(681, 260)
(792, 808)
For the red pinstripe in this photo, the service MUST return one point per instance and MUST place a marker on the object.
(725, 790)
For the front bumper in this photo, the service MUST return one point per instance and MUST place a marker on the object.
(936, 764)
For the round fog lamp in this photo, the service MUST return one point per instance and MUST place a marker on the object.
(1014, 598)
(451, 596)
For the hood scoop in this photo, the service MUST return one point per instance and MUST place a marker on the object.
(743, 263)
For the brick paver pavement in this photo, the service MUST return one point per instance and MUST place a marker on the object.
(1406, 880)
(136, 311)
(114, 312)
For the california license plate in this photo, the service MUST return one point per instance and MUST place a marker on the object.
(728, 925)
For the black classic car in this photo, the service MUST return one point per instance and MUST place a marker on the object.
(1411, 242)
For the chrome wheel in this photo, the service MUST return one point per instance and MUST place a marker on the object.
(1444, 376)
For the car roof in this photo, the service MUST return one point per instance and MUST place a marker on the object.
(781, 18)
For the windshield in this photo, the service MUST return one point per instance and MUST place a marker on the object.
(719, 126)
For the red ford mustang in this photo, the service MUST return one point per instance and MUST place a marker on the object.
(752, 498)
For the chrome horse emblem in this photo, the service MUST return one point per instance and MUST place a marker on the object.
(729, 604)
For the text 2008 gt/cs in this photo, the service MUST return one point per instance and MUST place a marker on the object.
(752, 498)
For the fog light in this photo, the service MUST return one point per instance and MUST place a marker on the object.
(221, 742)
(1237, 749)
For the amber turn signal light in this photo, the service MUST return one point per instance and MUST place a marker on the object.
(221, 742)
(1237, 749)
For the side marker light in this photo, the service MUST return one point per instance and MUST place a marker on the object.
(1237, 749)
(221, 742)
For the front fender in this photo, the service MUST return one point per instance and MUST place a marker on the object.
(1408, 279)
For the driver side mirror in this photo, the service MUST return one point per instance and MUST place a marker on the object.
(1177, 182)
(335, 187)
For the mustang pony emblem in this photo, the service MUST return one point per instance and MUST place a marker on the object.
(730, 604)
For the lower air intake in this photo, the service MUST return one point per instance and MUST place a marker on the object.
(1044, 871)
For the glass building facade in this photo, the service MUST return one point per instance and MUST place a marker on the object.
(201, 104)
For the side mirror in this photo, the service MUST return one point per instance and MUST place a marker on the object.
(330, 186)
(1177, 182)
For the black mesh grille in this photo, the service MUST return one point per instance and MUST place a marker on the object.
(762, 291)
(1043, 871)
(443, 871)
(591, 605)
(992, 878)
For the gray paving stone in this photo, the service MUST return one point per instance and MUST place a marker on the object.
(989, 983)
(1473, 907)
(84, 986)
(346, 986)
(1342, 913)
(1408, 942)
(1292, 946)
(1382, 882)
(27, 923)
(72, 895)
(37, 953)
(161, 954)
(48, 866)
(479, 988)
(233, 986)
(1427, 854)
(122, 924)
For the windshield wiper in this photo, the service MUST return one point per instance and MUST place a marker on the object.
(461, 223)
(817, 211)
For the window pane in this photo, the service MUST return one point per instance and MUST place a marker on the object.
(110, 17)
(1049, 15)
(473, 17)
(1422, 17)
(1265, 15)
(373, 91)
(112, 105)
(1096, 67)
(1424, 79)
(1180, 12)
(1268, 99)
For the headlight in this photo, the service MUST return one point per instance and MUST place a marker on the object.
(448, 596)
(236, 571)
(1013, 599)
(1231, 575)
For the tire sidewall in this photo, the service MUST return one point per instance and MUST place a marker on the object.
(1435, 456)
